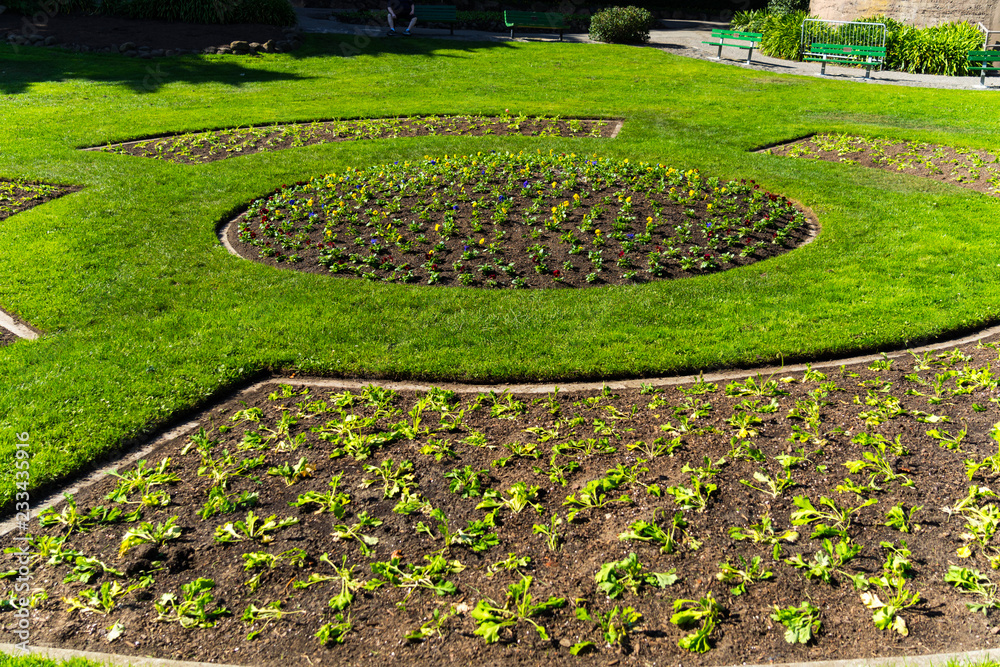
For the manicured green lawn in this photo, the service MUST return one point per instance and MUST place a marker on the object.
(148, 315)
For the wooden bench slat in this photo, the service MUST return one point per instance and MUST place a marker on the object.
(722, 35)
(437, 14)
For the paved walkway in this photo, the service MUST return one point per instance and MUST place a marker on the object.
(682, 38)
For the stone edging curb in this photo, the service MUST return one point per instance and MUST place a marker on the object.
(15, 327)
(935, 660)
(108, 658)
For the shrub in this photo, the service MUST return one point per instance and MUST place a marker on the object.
(621, 25)
(782, 35)
(782, 7)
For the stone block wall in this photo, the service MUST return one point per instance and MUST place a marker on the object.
(921, 13)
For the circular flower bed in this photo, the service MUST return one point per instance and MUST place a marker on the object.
(519, 220)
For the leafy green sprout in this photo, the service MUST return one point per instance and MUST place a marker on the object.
(147, 533)
(519, 606)
(626, 575)
(551, 532)
(704, 612)
(801, 623)
(253, 528)
(269, 613)
(335, 631)
(744, 573)
(193, 610)
(668, 539)
(616, 625)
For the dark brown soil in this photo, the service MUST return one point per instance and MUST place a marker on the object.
(977, 170)
(380, 617)
(218, 145)
(99, 32)
(6, 337)
(18, 196)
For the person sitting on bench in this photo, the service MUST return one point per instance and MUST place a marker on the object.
(401, 9)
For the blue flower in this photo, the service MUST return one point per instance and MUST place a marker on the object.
(526, 184)
(631, 236)
(499, 197)
(374, 241)
(433, 161)
(454, 208)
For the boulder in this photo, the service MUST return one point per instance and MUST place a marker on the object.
(269, 46)
(240, 47)
(127, 46)
(51, 40)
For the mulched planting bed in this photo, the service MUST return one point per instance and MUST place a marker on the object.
(17, 196)
(6, 337)
(501, 220)
(200, 147)
(412, 527)
(968, 167)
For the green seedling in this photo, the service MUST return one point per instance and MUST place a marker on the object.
(505, 406)
(193, 610)
(593, 496)
(744, 425)
(439, 448)
(353, 532)
(98, 601)
(974, 583)
(48, 549)
(659, 447)
(585, 447)
(268, 614)
(896, 517)
(140, 480)
(432, 626)
(220, 471)
(220, 502)
(519, 497)
(879, 443)
(335, 632)
(348, 584)
(491, 618)
(898, 598)
(826, 561)
(621, 475)
(475, 536)
(947, 440)
(293, 473)
(393, 480)
(254, 528)
(877, 466)
(699, 388)
(411, 501)
(839, 517)
(73, 519)
(753, 386)
(551, 532)
(512, 563)
(147, 533)
(616, 625)
(555, 472)
(768, 485)
(705, 613)
(333, 501)
(259, 559)
(617, 577)
(694, 497)
(116, 630)
(649, 531)
(89, 568)
(465, 482)
(801, 622)
(743, 574)
(991, 462)
(431, 576)
(200, 440)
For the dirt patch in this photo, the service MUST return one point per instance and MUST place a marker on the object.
(6, 337)
(200, 147)
(923, 418)
(17, 196)
(505, 220)
(974, 169)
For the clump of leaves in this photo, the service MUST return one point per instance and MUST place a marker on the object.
(763, 533)
(593, 496)
(617, 577)
(335, 632)
(705, 613)
(353, 532)
(551, 532)
(253, 528)
(475, 536)
(801, 622)
(975, 583)
(268, 614)
(432, 626)
(394, 480)
(430, 576)
(616, 625)
(193, 610)
(293, 473)
(147, 533)
(99, 601)
(519, 606)
(839, 517)
(743, 574)
(333, 501)
(675, 533)
(519, 496)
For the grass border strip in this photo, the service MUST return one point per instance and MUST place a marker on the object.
(54, 653)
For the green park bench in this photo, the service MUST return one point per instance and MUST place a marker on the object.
(985, 61)
(721, 36)
(437, 14)
(848, 54)
(546, 20)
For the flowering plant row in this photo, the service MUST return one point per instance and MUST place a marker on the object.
(202, 147)
(519, 220)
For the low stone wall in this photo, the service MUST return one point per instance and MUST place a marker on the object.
(921, 13)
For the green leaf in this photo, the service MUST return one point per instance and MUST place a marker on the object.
(582, 647)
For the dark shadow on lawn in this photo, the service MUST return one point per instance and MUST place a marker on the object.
(360, 44)
(31, 65)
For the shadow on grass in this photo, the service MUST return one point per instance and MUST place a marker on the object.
(33, 65)
(26, 66)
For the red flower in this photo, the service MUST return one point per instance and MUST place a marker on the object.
(253, 235)
(708, 256)
(557, 273)
(621, 253)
